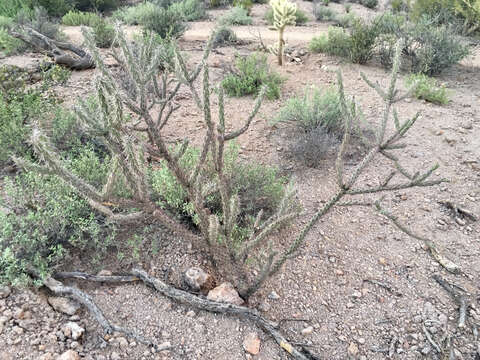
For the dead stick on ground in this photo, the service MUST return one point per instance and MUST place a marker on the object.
(174, 294)
(459, 298)
(224, 308)
(60, 289)
(458, 210)
(431, 341)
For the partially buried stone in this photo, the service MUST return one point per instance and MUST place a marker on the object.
(225, 293)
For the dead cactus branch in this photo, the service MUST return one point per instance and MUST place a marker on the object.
(460, 299)
(63, 53)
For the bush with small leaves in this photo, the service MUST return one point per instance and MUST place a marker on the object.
(103, 33)
(166, 23)
(224, 36)
(77, 18)
(251, 74)
(427, 88)
(135, 15)
(244, 4)
(48, 223)
(312, 147)
(236, 16)
(191, 10)
(10, 45)
(315, 108)
(323, 13)
(335, 42)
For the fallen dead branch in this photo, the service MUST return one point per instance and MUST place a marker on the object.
(459, 211)
(386, 286)
(175, 294)
(458, 297)
(449, 265)
(63, 53)
(60, 289)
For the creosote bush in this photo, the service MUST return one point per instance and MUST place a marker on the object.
(427, 88)
(77, 18)
(251, 74)
(103, 33)
(236, 16)
(224, 36)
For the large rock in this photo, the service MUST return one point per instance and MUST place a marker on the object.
(4, 291)
(69, 355)
(63, 305)
(225, 293)
(198, 280)
(251, 343)
(73, 330)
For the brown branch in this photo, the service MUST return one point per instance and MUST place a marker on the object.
(459, 298)
(224, 308)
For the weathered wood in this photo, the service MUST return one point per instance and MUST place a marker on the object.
(63, 53)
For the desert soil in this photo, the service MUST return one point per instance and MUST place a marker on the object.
(328, 285)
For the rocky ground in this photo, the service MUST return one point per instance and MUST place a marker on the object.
(359, 288)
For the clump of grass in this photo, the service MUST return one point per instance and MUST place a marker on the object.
(224, 36)
(313, 109)
(324, 13)
(236, 16)
(77, 18)
(252, 73)
(427, 88)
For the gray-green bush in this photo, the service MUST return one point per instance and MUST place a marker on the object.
(235, 16)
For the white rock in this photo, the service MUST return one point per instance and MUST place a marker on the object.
(73, 330)
(69, 355)
(251, 343)
(307, 330)
(225, 293)
(5, 291)
(63, 305)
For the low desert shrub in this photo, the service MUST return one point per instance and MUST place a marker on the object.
(313, 109)
(224, 36)
(40, 21)
(300, 17)
(134, 15)
(165, 22)
(236, 16)
(244, 4)
(10, 45)
(251, 74)
(323, 13)
(357, 45)
(190, 9)
(259, 187)
(77, 18)
(442, 11)
(47, 222)
(427, 88)
(310, 148)
(103, 33)
(429, 49)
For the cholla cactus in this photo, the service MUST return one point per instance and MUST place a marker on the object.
(283, 15)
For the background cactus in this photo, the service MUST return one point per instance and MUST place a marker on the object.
(283, 15)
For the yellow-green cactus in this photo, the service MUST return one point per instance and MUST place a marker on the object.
(283, 15)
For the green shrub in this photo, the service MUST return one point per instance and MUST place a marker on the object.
(10, 8)
(40, 21)
(312, 110)
(335, 42)
(346, 20)
(5, 22)
(77, 18)
(190, 9)
(300, 17)
(323, 13)
(427, 88)
(253, 72)
(371, 4)
(103, 33)
(235, 16)
(97, 5)
(164, 22)
(429, 49)
(441, 10)
(259, 186)
(362, 41)
(49, 223)
(224, 36)
(10, 45)
(469, 11)
(244, 4)
(399, 6)
(55, 8)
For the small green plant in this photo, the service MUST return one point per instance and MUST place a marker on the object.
(325, 2)
(236, 16)
(77, 18)
(10, 45)
(300, 17)
(427, 88)
(315, 108)
(224, 36)
(347, 8)
(358, 45)
(103, 33)
(191, 10)
(253, 73)
(283, 15)
(323, 13)
(244, 4)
